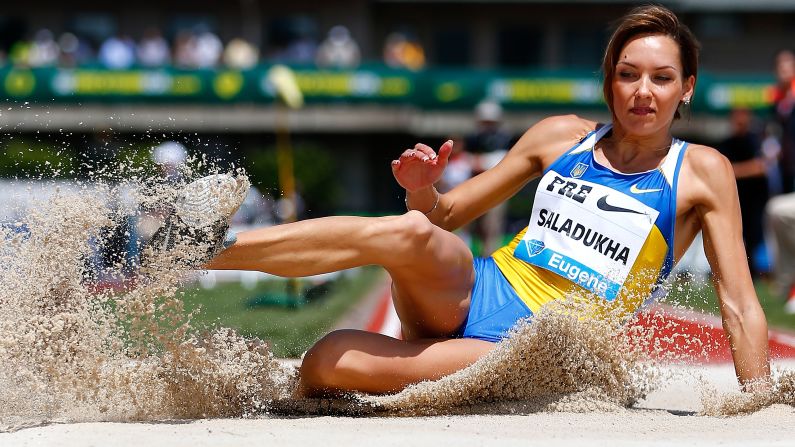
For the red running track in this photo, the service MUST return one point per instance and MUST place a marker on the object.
(683, 333)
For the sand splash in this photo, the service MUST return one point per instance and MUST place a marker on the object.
(72, 353)
(782, 391)
(559, 362)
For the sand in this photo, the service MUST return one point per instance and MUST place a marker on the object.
(123, 367)
(667, 417)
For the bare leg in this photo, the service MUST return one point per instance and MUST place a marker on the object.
(329, 244)
(431, 268)
(351, 360)
(432, 276)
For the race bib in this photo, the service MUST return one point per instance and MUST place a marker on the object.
(586, 232)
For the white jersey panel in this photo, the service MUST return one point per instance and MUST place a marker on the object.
(587, 232)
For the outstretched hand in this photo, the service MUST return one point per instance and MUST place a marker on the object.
(421, 167)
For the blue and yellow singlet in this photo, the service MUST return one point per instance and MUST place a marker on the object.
(595, 230)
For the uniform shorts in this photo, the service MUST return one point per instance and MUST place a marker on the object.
(494, 306)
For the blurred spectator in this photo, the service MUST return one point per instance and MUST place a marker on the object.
(490, 136)
(208, 49)
(184, 50)
(743, 149)
(400, 51)
(339, 50)
(489, 144)
(771, 152)
(44, 51)
(781, 221)
(192, 48)
(783, 105)
(74, 51)
(240, 54)
(200, 49)
(117, 52)
(152, 50)
(170, 157)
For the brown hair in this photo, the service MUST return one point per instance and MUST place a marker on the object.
(650, 19)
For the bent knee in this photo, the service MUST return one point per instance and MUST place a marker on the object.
(413, 232)
(323, 369)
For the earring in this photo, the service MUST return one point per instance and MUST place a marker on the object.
(687, 101)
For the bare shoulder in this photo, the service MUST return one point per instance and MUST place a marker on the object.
(550, 137)
(706, 160)
(570, 127)
(706, 174)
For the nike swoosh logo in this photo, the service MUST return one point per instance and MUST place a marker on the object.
(603, 205)
(635, 190)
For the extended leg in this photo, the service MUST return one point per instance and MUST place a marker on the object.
(329, 244)
(431, 268)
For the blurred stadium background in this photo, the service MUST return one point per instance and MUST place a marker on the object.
(69, 80)
(98, 81)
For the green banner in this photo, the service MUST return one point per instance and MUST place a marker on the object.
(723, 94)
(429, 89)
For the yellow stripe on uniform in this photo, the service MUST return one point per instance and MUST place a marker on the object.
(537, 286)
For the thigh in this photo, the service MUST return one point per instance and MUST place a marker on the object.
(431, 293)
(350, 360)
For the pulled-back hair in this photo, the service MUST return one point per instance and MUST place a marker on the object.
(649, 20)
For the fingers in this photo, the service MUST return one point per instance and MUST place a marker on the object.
(410, 156)
(423, 153)
(446, 149)
(395, 166)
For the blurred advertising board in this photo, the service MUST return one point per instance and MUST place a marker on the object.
(429, 89)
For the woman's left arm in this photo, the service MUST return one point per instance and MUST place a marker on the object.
(715, 199)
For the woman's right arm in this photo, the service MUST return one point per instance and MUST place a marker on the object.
(419, 168)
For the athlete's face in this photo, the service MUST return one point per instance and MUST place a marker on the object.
(648, 84)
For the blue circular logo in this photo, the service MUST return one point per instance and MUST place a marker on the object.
(534, 246)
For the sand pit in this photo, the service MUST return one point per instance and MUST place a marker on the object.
(667, 417)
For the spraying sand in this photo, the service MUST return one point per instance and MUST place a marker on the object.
(68, 353)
